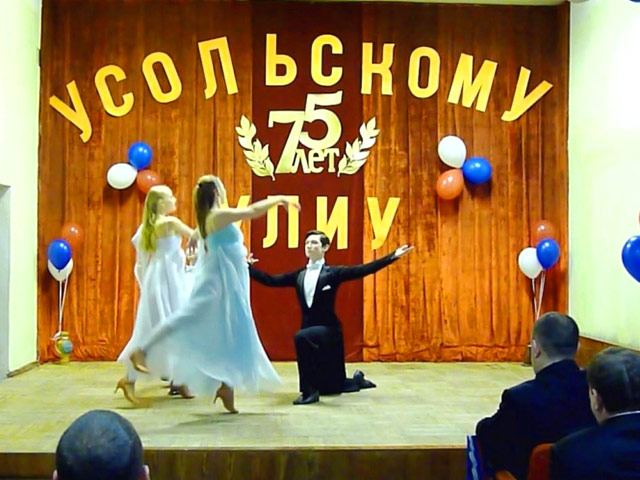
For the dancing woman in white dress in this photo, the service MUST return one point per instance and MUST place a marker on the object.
(213, 339)
(160, 273)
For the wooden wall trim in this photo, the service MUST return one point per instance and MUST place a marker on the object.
(589, 347)
(24, 369)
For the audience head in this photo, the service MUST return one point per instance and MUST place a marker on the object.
(316, 244)
(554, 338)
(100, 445)
(614, 382)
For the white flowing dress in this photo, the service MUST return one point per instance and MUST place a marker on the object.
(164, 288)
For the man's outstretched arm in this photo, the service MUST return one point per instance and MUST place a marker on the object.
(281, 280)
(359, 271)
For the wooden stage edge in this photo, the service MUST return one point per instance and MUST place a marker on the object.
(274, 464)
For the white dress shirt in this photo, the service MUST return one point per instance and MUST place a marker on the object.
(311, 279)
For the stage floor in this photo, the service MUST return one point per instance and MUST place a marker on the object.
(416, 405)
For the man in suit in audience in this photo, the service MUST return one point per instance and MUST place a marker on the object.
(543, 410)
(100, 445)
(319, 343)
(610, 451)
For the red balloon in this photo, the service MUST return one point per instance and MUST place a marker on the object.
(147, 179)
(72, 233)
(541, 230)
(450, 184)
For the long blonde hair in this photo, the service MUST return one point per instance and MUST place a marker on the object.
(205, 195)
(150, 215)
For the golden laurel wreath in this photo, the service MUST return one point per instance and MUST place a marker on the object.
(355, 154)
(255, 153)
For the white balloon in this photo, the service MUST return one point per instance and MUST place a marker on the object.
(121, 175)
(60, 275)
(528, 262)
(452, 151)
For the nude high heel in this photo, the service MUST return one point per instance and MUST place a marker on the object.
(183, 391)
(139, 361)
(225, 393)
(128, 388)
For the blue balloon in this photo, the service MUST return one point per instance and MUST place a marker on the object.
(548, 252)
(140, 155)
(631, 257)
(59, 253)
(477, 170)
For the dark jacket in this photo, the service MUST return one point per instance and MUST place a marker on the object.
(610, 451)
(322, 311)
(543, 410)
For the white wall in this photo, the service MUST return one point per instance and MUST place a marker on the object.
(604, 167)
(19, 97)
(4, 279)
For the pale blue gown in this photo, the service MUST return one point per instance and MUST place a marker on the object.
(213, 337)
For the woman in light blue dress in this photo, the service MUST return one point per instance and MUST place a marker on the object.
(213, 338)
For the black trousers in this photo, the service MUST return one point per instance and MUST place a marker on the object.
(320, 356)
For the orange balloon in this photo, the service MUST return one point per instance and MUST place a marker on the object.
(147, 179)
(72, 233)
(450, 184)
(541, 230)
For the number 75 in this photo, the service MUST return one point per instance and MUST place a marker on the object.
(310, 114)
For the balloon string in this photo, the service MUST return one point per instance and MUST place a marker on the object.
(59, 307)
(542, 282)
(535, 304)
(62, 296)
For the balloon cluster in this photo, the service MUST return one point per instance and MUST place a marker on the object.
(60, 265)
(122, 175)
(546, 253)
(536, 260)
(476, 170)
(60, 251)
(631, 256)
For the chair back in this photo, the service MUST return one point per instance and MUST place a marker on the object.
(539, 462)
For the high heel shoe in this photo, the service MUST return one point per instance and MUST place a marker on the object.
(128, 388)
(225, 393)
(139, 361)
(183, 391)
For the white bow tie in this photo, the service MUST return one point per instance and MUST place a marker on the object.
(314, 266)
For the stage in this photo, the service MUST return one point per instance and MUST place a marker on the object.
(412, 426)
